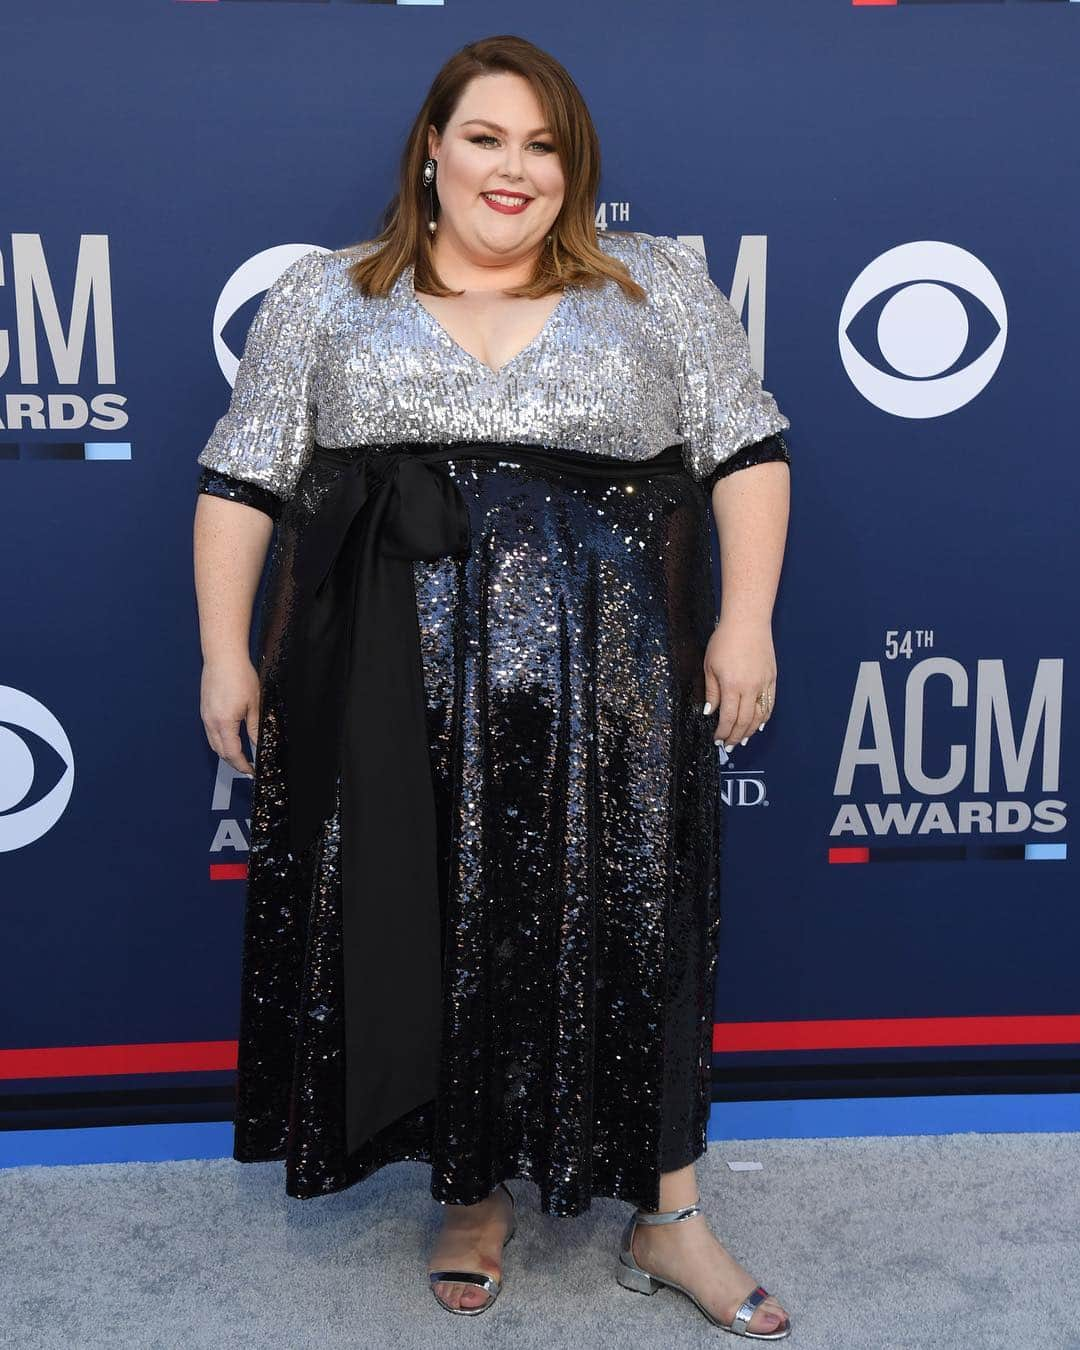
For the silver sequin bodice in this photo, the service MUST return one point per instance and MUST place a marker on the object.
(324, 363)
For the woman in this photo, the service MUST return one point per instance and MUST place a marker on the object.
(486, 821)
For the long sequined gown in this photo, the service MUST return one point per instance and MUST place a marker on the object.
(576, 780)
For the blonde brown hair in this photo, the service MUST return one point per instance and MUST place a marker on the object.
(573, 257)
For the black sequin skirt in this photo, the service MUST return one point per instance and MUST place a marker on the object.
(579, 819)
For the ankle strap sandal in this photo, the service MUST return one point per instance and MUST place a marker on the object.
(631, 1276)
(488, 1283)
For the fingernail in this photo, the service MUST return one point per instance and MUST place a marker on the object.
(707, 709)
(730, 747)
(762, 727)
(744, 740)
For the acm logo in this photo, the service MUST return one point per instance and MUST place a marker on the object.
(232, 829)
(891, 754)
(39, 321)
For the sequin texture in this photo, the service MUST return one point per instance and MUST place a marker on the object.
(577, 784)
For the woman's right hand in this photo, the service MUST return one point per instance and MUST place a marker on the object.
(230, 695)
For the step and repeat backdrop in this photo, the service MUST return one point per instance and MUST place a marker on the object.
(889, 195)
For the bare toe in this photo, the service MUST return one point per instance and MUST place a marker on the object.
(460, 1295)
(769, 1315)
(448, 1292)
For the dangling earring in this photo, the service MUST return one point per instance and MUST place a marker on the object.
(428, 179)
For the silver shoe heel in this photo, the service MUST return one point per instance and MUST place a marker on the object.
(491, 1286)
(637, 1280)
(631, 1276)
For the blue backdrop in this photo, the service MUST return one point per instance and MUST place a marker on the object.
(891, 201)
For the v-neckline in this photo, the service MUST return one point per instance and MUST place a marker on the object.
(448, 337)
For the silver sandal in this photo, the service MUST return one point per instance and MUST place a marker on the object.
(631, 1276)
(488, 1283)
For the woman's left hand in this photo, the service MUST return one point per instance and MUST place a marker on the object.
(740, 664)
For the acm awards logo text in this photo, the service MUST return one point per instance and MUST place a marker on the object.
(58, 326)
(232, 832)
(948, 749)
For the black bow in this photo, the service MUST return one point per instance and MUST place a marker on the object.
(355, 707)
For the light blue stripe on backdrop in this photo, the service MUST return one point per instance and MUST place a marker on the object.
(116, 1143)
(107, 450)
(1043, 852)
(839, 1118)
(832, 1118)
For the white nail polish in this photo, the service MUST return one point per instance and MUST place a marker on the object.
(730, 747)
(707, 709)
(744, 740)
(762, 727)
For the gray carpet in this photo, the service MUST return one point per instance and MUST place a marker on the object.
(950, 1241)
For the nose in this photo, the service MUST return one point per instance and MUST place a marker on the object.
(511, 165)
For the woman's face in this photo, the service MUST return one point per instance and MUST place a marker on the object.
(496, 143)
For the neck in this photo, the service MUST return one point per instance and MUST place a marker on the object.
(465, 272)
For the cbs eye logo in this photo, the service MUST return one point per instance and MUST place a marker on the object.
(37, 769)
(939, 320)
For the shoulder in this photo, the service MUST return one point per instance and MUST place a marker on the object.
(675, 274)
(303, 276)
(313, 274)
(655, 253)
(312, 285)
(294, 295)
(343, 258)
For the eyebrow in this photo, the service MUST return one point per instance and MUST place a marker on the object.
(482, 121)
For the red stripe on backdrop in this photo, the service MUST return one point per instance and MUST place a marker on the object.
(228, 871)
(91, 1061)
(858, 854)
(897, 1032)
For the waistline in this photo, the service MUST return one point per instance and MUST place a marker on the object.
(668, 460)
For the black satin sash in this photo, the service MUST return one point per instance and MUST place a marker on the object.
(355, 710)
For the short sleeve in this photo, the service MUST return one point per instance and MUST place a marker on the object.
(261, 445)
(722, 405)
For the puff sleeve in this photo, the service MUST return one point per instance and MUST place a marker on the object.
(727, 421)
(259, 448)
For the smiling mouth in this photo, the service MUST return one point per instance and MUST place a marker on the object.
(506, 201)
